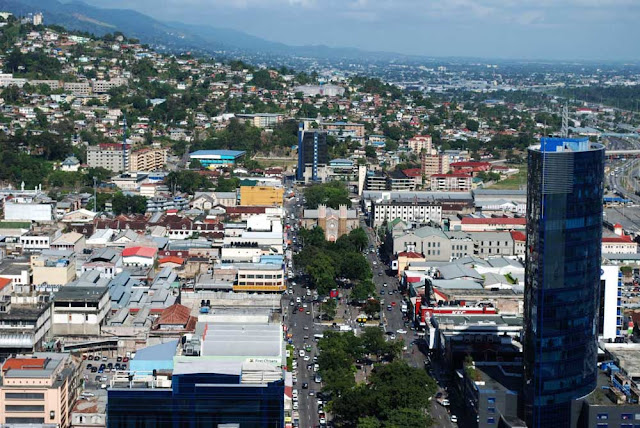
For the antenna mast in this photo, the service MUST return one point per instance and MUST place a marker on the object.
(564, 133)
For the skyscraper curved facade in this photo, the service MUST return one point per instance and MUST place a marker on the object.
(564, 235)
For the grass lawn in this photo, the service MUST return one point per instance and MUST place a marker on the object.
(515, 182)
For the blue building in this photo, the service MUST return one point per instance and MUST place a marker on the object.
(217, 158)
(564, 232)
(197, 400)
(223, 373)
(313, 155)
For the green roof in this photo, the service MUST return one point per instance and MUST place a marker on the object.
(15, 225)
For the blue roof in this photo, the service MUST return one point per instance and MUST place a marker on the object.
(233, 153)
(162, 352)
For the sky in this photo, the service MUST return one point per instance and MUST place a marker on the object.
(509, 29)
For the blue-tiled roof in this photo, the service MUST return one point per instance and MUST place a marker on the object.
(233, 153)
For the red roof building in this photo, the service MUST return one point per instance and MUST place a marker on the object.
(490, 224)
(140, 252)
(24, 364)
(171, 259)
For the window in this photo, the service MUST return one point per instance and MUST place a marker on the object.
(602, 425)
(491, 400)
(24, 396)
(602, 416)
(626, 416)
(491, 420)
(491, 410)
(24, 420)
(24, 408)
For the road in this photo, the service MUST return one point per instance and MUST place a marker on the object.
(303, 324)
(394, 321)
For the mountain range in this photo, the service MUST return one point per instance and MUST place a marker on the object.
(172, 36)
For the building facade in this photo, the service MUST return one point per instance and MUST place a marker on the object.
(148, 159)
(417, 211)
(564, 235)
(420, 143)
(335, 223)
(313, 156)
(110, 156)
(451, 182)
(39, 389)
(434, 164)
(217, 158)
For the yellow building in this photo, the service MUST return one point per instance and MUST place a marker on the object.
(53, 268)
(261, 196)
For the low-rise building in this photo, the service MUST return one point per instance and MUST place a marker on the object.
(53, 268)
(79, 310)
(261, 195)
(459, 182)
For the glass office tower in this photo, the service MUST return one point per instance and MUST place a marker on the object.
(313, 155)
(564, 239)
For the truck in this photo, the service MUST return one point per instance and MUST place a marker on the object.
(345, 328)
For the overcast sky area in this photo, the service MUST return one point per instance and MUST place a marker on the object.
(515, 29)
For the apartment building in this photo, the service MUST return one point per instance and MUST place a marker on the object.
(103, 86)
(109, 156)
(261, 120)
(342, 130)
(39, 389)
(434, 164)
(78, 88)
(416, 211)
(148, 159)
(451, 182)
(420, 143)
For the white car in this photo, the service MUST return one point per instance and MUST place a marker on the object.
(385, 285)
(298, 300)
(323, 420)
(301, 353)
(304, 305)
(401, 331)
(454, 419)
(295, 405)
(307, 358)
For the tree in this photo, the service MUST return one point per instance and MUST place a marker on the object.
(369, 422)
(374, 341)
(372, 307)
(473, 125)
(322, 272)
(370, 152)
(332, 194)
(186, 181)
(227, 184)
(329, 308)
(354, 265)
(407, 418)
(359, 238)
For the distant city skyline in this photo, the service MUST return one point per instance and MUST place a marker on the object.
(509, 29)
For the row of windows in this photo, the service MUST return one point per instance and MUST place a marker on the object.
(24, 396)
(623, 416)
(24, 408)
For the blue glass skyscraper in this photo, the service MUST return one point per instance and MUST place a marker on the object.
(564, 241)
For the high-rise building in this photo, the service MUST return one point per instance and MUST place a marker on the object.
(313, 155)
(562, 279)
